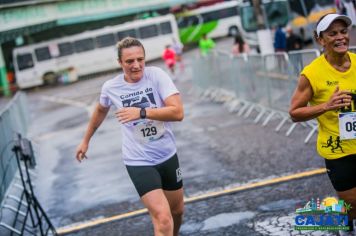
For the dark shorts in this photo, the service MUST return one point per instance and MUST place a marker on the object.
(342, 172)
(166, 176)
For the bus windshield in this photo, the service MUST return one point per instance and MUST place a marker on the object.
(248, 19)
(275, 12)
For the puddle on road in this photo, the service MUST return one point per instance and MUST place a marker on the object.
(217, 221)
(279, 205)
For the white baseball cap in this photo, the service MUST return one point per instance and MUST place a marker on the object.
(330, 18)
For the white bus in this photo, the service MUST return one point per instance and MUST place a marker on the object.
(218, 20)
(89, 52)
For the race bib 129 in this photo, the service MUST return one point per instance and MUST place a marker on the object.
(149, 130)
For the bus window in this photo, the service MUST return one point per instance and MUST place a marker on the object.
(248, 19)
(276, 13)
(148, 31)
(187, 21)
(42, 54)
(229, 12)
(126, 33)
(207, 17)
(84, 45)
(65, 49)
(105, 40)
(24, 61)
(220, 14)
(166, 28)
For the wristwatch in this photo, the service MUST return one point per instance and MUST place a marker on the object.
(143, 113)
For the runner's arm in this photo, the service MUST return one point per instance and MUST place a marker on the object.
(172, 111)
(299, 109)
(96, 119)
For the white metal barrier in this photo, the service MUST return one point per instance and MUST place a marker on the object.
(255, 84)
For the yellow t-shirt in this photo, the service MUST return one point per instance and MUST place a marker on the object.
(324, 78)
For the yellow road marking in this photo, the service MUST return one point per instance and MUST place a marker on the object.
(267, 182)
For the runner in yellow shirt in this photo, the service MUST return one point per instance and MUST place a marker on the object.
(328, 85)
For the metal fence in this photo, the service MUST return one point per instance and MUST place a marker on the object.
(255, 84)
(13, 121)
(20, 211)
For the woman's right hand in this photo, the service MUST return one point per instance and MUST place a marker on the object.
(81, 150)
(339, 99)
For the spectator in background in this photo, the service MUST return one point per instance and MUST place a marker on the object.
(350, 10)
(280, 45)
(177, 46)
(240, 46)
(294, 42)
(280, 40)
(206, 45)
(169, 57)
(340, 7)
(347, 7)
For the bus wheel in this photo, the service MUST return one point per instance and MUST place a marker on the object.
(50, 78)
(233, 31)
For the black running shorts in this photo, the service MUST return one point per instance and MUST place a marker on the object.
(342, 172)
(166, 176)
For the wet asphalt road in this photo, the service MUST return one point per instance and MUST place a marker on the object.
(217, 150)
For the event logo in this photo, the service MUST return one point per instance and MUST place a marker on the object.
(328, 214)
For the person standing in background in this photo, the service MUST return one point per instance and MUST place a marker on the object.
(280, 45)
(177, 46)
(240, 46)
(280, 40)
(206, 45)
(350, 10)
(347, 7)
(169, 57)
(294, 42)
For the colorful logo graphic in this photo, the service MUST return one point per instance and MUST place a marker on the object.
(328, 214)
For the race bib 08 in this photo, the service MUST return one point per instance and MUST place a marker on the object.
(149, 130)
(347, 125)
